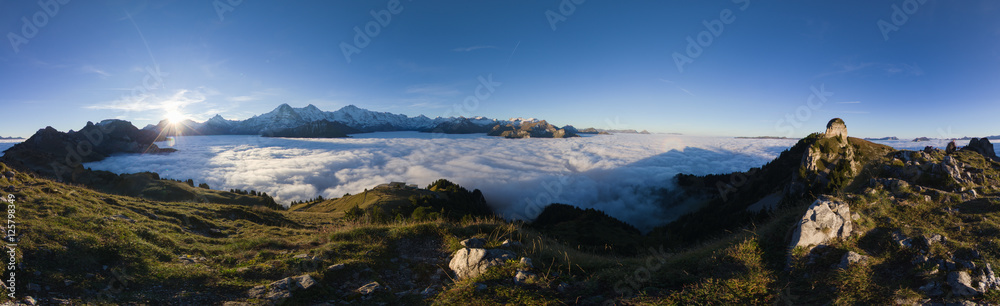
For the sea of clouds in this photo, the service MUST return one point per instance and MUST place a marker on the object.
(8, 143)
(619, 174)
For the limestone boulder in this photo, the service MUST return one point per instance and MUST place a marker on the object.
(470, 262)
(826, 219)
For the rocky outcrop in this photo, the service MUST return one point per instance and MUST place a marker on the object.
(836, 128)
(981, 146)
(470, 262)
(961, 283)
(828, 218)
(831, 159)
(277, 292)
(539, 129)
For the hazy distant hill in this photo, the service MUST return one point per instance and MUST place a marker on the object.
(883, 138)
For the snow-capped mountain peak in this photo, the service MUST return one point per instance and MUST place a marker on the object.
(285, 117)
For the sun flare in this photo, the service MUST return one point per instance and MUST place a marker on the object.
(174, 117)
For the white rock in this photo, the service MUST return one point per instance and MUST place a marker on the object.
(523, 276)
(369, 288)
(827, 218)
(961, 283)
(851, 258)
(471, 262)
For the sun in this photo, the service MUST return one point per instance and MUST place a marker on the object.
(174, 117)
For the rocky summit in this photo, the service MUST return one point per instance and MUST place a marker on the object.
(836, 128)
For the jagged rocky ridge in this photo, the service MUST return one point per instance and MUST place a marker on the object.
(60, 155)
(302, 122)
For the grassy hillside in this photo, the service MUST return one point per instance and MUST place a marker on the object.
(85, 246)
(386, 198)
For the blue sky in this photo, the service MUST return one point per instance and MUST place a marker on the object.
(603, 64)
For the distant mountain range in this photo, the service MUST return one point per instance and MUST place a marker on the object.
(310, 121)
(1, 137)
(882, 138)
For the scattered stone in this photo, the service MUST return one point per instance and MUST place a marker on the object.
(304, 281)
(827, 218)
(510, 244)
(934, 238)
(919, 259)
(336, 267)
(902, 240)
(563, 287)
(119, 217)
(480, 286)
(470, 262)
(522, 277)
(369, 288)
(278, 291)
(851, 258)
(187, 259)
(429, 291)
(301, 256)
(526, 262)
(951, 148)
(475, 243)
(988, 280)
(961, 283)
(68, 282)
(28, 300)
(9, 175)
(932, 289)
